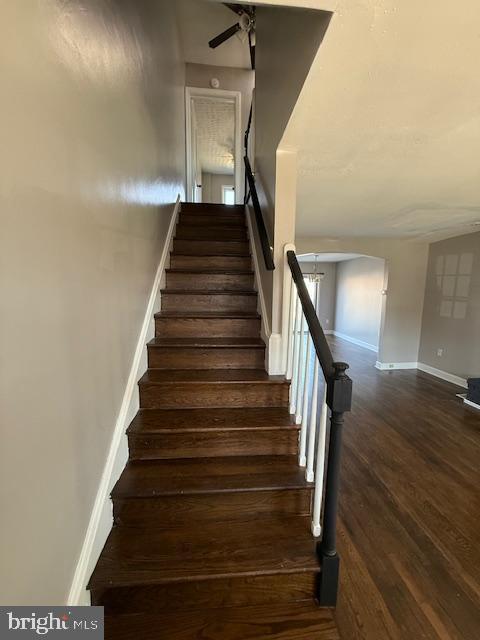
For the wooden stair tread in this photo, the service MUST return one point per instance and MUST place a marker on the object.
(213, 226)
(208, 550)
(212, 254)
(210, 272)
(211, 292)
(201, 207)
(283, 621)
(207, 314)
(212, 343)
(158, 420)
(210, 376)
(150, 479)
(191, 420)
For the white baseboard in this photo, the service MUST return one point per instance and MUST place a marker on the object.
(275, 352)
(101, 518)
(328, 332)
(265, 331)
(444, 375)
(392, 366)
(471, 404)
(438, 373)
(359, 343)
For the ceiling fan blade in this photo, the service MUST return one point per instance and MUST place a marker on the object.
(225, 35)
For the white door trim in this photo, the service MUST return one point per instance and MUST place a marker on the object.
(236, 98)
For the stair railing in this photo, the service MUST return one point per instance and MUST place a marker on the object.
(267, 249)
(262, 229)
(306, 355)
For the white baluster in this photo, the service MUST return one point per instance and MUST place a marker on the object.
(291, 322)
(296, 355)
(320, 467)
(304, 429)
(310, 475)
(301, 373)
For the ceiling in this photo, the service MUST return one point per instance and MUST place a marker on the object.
(215, 124)
(329, 257)
(201, 20)
(387, 126)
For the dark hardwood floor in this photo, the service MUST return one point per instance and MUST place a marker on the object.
(409, 530)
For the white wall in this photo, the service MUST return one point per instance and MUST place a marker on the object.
(92, 134)
(406, 264)
(358, 306)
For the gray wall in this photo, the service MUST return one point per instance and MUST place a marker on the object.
(358, 309)
(287, 42)
(93, 146)
(326, 305)
(212, 184)
(451, 312)
(406, 264)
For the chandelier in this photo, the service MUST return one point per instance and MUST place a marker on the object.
(316, 276)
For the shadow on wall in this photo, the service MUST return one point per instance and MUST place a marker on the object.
(351, 295)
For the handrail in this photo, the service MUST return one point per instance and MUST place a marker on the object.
(318, 447)
(262, 230)
(318, 337)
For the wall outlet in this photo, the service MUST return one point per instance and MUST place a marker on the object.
(327, 321)
(439, 353)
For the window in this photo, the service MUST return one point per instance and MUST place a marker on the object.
(228, 194)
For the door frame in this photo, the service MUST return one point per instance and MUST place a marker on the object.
(214, 94)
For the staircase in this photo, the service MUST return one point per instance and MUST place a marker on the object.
(211, 535)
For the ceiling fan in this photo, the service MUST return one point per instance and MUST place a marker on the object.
(246, 23)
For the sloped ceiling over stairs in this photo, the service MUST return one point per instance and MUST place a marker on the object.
(387, 125)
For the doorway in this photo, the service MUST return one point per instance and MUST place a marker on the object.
(213, 146)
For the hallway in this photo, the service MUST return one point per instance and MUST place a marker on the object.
(409, 507)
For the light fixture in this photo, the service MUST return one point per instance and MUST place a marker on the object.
(316, 276)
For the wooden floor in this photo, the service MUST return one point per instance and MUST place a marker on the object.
(409, 531)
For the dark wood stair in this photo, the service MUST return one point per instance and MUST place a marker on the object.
(211, 535)
(303, 621)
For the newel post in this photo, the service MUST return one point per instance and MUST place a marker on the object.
(339, 399)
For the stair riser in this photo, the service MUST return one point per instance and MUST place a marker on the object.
(232, 394)
(181, 510)
(202, 302)
(213, 209)
(218, 593)
(213, 444)
(217, 281)
(210, 233)
(207, 247)
(205, 220)
(230, 263)
(207, 327)
(205, 358)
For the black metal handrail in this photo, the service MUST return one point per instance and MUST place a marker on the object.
(339, 400)
(262, 229)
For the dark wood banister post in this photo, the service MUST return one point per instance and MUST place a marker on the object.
(339, 399)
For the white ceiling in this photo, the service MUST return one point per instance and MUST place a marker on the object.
(201, 20)
(387, 126)
(215, 124)
(329, 257)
